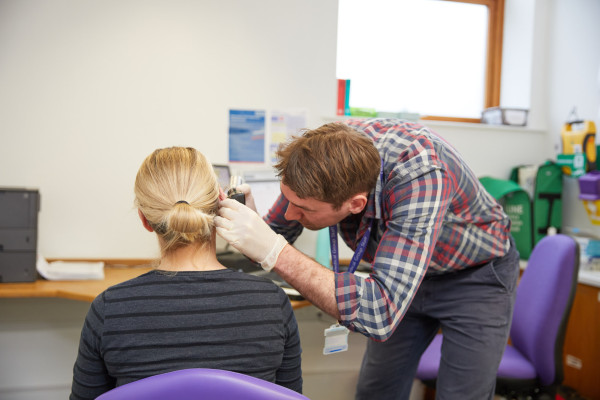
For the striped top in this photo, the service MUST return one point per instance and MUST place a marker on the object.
(165, 321)
(432, 216)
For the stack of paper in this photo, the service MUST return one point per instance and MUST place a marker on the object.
(70, 270)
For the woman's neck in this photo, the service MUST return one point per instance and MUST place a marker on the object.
(191, 258)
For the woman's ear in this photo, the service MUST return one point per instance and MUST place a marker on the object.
(222, 195)
(145, 221)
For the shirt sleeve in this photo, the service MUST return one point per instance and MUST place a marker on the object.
(275, 218)
(90, 377)
(289, 373)
(414, 203)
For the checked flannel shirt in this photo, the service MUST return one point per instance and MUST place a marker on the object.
(431, 214)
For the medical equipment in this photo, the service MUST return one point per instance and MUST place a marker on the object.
(233, 192)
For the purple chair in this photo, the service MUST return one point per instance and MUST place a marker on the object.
(533, 364)
(201, 384)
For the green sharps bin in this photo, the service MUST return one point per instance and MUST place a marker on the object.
(547, 198)
(531, 217)
(517, 205)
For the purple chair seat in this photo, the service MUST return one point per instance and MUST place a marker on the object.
(430, 360)
(201, 384)
(514, 365)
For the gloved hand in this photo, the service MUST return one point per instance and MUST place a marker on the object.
(246, 231)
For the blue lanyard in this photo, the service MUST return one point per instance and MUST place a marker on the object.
(360, 249)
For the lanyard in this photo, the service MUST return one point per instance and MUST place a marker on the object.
(360, 249)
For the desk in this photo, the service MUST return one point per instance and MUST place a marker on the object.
(73, 290)
(115, 271)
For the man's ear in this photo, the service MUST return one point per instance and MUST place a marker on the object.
(145, 221)
(357, 203)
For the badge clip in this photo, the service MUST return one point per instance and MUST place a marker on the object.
(336, 339)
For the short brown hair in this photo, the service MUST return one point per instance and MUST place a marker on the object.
(331, 163)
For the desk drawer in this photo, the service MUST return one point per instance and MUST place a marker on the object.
(18, 267)
(19, 208)
(17, 240)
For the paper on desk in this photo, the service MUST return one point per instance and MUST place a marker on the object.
(70, 270)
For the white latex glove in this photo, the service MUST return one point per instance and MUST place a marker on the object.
(246, 231)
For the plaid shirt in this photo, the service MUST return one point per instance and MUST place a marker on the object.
(431, 215)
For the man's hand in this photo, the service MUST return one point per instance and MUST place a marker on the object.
(246, 231)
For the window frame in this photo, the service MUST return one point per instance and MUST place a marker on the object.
(493, 59)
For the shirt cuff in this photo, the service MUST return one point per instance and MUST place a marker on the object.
(347, 293)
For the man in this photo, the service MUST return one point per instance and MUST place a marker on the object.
(438, 243)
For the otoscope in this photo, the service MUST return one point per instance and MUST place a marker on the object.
(233, 192)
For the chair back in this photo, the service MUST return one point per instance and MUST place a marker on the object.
(543, 304)
(201, 384)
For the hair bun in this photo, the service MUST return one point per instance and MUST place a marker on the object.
(189, 220)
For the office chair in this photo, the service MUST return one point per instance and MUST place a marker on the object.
(201, 384)
(532, 365)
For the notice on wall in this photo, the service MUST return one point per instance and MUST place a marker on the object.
(284, 125)
(247, 135)
(255, 135)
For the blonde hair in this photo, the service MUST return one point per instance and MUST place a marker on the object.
(177, 191)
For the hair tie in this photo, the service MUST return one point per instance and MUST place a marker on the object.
(183, 201)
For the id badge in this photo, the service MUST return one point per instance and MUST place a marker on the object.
(336, 339)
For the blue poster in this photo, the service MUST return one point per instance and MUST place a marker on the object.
(246, 135)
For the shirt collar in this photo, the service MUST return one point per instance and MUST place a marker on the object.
(373, 207)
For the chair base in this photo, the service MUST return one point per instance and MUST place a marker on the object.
(529, 389)
(510, 389)
(541, 396)
(430, 383)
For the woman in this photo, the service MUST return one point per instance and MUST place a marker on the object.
(191, 312)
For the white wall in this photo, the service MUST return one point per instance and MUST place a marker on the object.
(574, 61)
(89, 88)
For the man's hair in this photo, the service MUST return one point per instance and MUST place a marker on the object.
(331, 163)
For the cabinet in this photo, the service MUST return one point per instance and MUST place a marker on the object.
(582, 343)
(18, 234)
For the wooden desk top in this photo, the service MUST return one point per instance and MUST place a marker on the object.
(74, 290)
(84, 290)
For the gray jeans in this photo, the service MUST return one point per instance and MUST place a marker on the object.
(473, 308)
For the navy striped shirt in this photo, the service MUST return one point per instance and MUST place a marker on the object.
(165, 321)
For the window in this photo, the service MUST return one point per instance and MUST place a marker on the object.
(439, 58)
